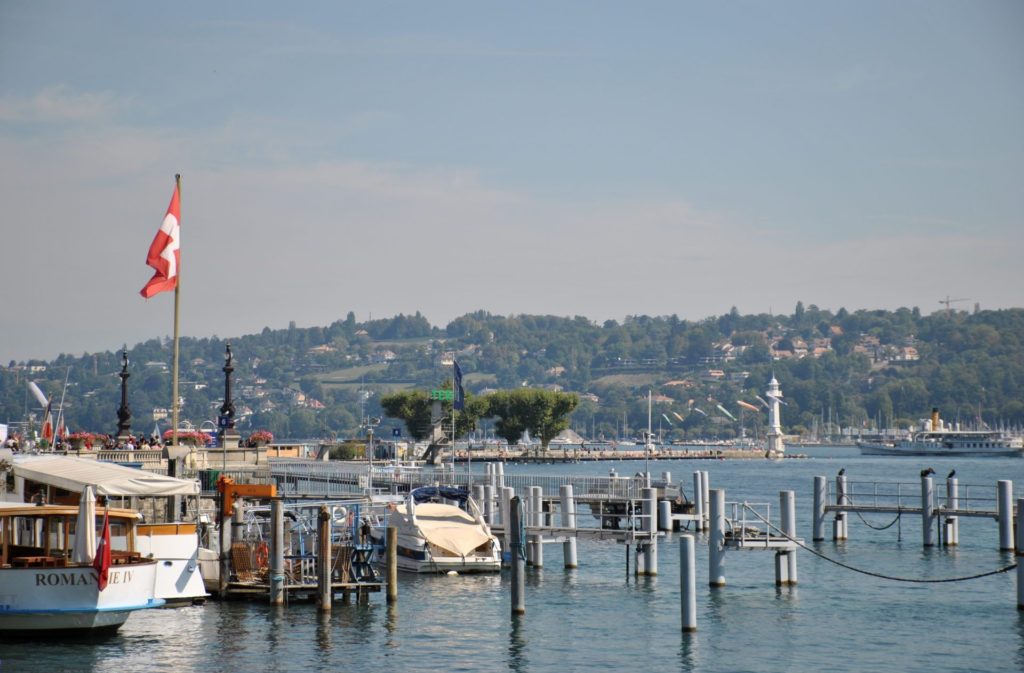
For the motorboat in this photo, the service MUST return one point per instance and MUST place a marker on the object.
(49, 584)
(440, 529)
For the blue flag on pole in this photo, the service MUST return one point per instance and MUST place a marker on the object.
(460, 395)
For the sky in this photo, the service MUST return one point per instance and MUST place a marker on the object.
(601, 159)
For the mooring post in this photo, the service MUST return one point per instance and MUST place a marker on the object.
(927, 510)
(839, 524)
(535, 546)
(225, 556)
(323, 561)
(698, 500)
(716, 540)
(568, 521)
(478, 496)
(391, 551)
(501, 475)
(1004, 508)
(818, 533)
(488, 504)
(648, 564)
(787, 515)
(688, 582)
(664, 515)
(515, 525)
(507, 493)
(705, 485)
(277, 552)
(952, 532)
(1019, 553)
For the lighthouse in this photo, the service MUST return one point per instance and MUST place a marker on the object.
(776, 449)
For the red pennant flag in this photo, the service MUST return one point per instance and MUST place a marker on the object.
(163, 251)
(102, 561)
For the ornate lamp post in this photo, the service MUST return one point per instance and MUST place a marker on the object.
(124, 413)
(226, 420)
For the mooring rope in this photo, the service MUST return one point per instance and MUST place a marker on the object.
(885, 527)
(870, 573)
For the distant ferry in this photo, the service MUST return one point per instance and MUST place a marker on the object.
(937, 440)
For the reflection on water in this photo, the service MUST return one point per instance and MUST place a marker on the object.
(517, 659)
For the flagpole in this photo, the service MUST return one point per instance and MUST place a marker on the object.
(174, 384)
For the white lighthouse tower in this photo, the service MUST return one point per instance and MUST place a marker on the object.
(776, 449)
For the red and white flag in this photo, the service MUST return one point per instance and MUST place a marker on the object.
(102, 561)
(163, 251)
(47, 429)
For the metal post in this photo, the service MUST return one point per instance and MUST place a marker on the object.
(688, 582)
(952, 504)
(649, 560)
(507, 493)
(698, 500)
(716, 540)
(1004, 507)
(518, 562)
(927, 510)
(787, 515)
(664, 515)
(277, 552)
(489, 503)
(501, 475)
(1019, 554)
(391, 551)
(818, 526)
(839, 524)
(323, 561)
(705, 485)
(225, 557)
(535, 546)
(568, 521)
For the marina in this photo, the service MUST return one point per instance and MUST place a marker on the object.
(750, 623)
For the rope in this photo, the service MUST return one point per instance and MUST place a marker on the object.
(885, 527)
(893, 578)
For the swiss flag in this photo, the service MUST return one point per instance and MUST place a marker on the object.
(102, 561)
(163, 251)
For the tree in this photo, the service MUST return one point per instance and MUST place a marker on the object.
(544, 413)
(412, 407)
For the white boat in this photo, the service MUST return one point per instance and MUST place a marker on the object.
(174, 545)
(939, 440)
(436, 535)
(45, 589)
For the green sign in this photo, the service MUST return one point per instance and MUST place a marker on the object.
(443, 395)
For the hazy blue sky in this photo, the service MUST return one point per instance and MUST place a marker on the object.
(572, 158)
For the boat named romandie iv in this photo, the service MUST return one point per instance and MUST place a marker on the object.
(937, 439)
(44, 589)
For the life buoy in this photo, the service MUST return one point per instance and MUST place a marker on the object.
(262, 555)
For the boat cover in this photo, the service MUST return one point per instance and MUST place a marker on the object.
(448, 527)
(74, 474)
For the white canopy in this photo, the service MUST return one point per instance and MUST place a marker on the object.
(74, 474)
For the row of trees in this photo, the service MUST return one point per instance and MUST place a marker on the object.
(542, 413)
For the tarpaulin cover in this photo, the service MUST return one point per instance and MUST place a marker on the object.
(74, 474)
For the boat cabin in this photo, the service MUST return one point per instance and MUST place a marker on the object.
(44, 535)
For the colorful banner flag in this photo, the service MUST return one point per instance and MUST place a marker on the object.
(748, 405)
(102, 561)
(164, 255)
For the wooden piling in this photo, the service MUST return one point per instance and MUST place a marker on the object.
(391, 551)
(688, 582)
(323, 561)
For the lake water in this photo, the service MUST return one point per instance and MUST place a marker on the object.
(598, 617)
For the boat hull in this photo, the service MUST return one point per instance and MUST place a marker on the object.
(920, 449)
(58, 600)
(176, 549)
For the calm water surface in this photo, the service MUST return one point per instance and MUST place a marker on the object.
(599, 618)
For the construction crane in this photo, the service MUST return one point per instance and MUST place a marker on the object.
(947, 301)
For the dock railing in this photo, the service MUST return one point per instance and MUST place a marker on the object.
(972, 499)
